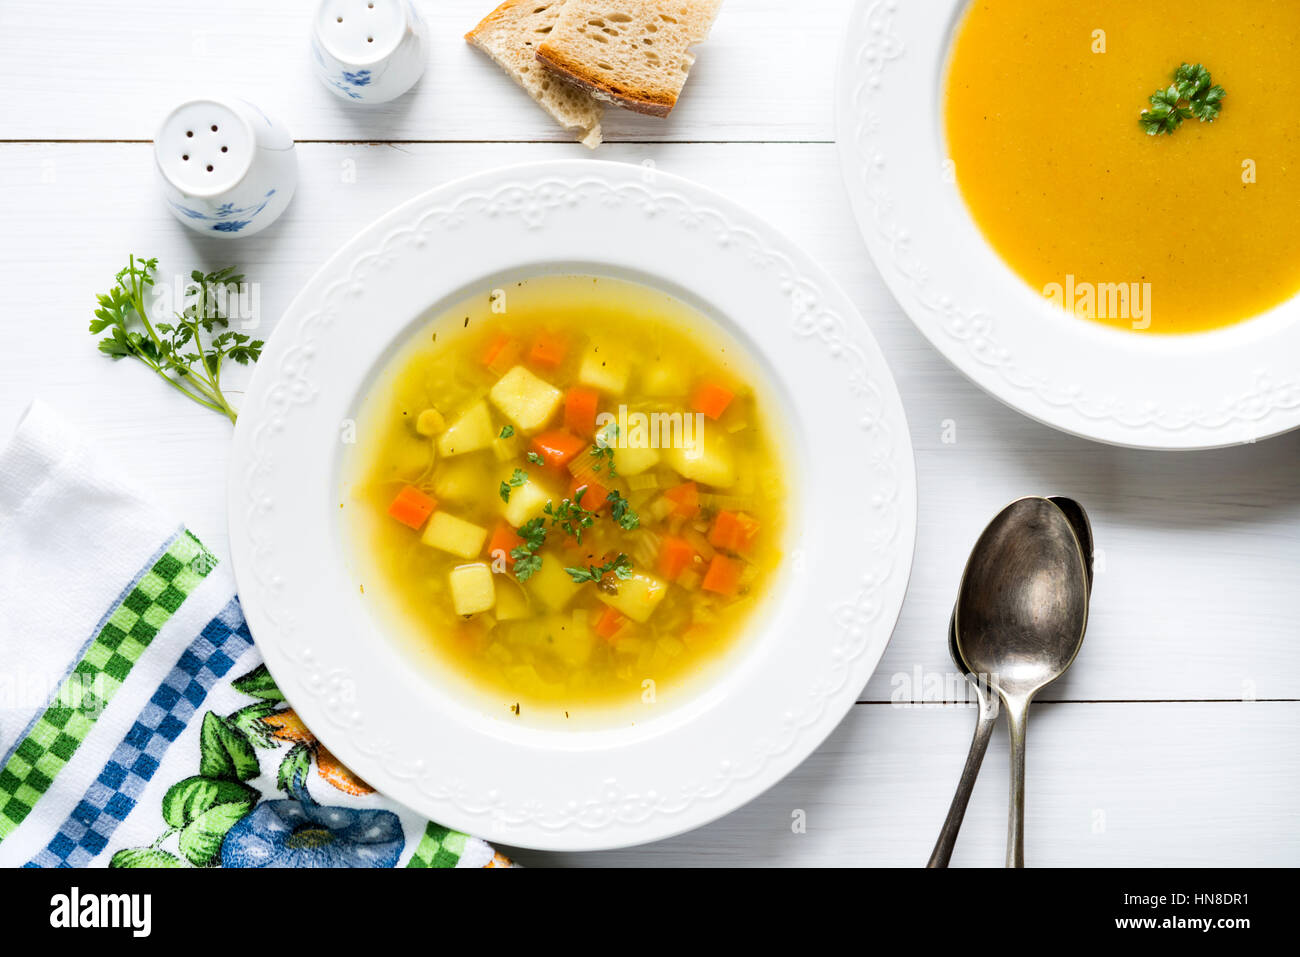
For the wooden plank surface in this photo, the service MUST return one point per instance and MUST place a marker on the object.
(1115, 785)
(88, 69)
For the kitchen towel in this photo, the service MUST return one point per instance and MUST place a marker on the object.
(138, 725)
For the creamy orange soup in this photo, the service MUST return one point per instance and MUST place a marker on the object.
(569, 495)
(1199, 227)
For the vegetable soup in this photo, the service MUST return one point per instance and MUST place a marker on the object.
(1130, 160)
(570, 492)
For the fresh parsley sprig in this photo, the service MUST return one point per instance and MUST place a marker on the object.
(603, 451)
(1192, 94)
(188, 353)
(620, 566)
(621, 511)
(517, 478)
(570, 515)
(525, 556)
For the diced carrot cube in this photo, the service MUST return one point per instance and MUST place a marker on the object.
(723, 576)
(734, 531)
(504, 539)
(412, 507)
(500, 354)
(580, 411)
(557, 447)
(548, 350)
(685, 499)
(712, 399)
(494, 349)
(610, 623)
(724, 529)
(675, 555)
(594, 499)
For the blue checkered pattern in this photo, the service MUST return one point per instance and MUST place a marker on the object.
(114, 793)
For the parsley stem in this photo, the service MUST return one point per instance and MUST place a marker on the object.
(214, 405)
(137, 298)
(188, 352)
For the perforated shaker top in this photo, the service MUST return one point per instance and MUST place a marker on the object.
(204, 148)
(360, 31)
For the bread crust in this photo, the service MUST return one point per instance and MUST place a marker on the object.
(499, 36)
(637, 100)
(497, 16)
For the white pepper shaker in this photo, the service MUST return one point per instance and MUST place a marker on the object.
(368, 51)
(227, 169)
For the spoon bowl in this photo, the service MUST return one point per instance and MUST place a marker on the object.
(1079, 521)
(1023, 604)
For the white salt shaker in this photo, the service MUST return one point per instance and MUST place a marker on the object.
(368, 51)
(227, 168)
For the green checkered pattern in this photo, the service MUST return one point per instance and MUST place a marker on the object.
(74, 709)
(440, 847)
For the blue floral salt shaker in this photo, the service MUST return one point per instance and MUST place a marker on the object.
(227, 169)
(368, 51)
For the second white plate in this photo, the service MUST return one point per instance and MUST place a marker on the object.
(1226, 387)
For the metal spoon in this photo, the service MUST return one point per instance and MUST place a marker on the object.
(1021, 615)
(988, 718)
(988, 706)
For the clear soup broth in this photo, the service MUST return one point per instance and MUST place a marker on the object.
(567, 494)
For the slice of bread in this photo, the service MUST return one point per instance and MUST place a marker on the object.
(510, 35)
(635, 53)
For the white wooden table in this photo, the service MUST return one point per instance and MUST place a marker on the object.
(1173, 740)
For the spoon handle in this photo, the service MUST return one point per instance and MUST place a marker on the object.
(957, 810)
(1017, 723)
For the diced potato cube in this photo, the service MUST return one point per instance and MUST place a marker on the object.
(711, 462)
(472, 588)
(460, 480)
(666, 377)
(451, 534)
(637, 596)
(629, 462)
(571, 639)
(526, 502)
(512, 603)
(507, 449)
(551, 584)
(525, 678)
(605, 367)
(526, 400)
(409, 457)
(469, 433)
(430, 422)
(671, 647)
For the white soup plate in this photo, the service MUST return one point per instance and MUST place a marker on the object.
(803, 663)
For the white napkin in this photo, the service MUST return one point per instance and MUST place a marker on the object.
(138, 727)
